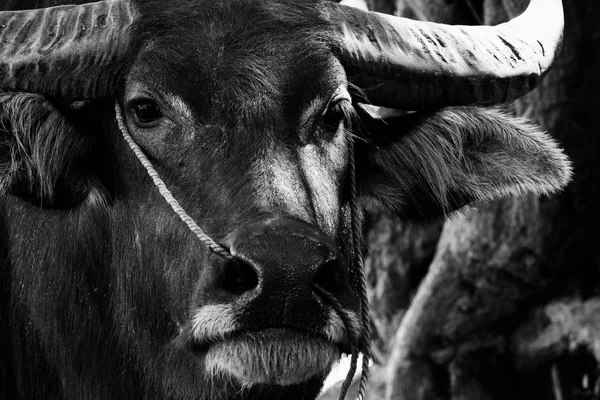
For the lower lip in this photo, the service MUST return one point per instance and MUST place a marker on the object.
(272, 356)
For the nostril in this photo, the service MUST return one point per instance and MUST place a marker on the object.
(239, 277)
(330, 276)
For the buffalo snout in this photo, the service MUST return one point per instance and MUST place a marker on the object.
(269, 293)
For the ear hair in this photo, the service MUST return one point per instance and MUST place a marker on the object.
(439, 162)
(32, 142)
(38, 148)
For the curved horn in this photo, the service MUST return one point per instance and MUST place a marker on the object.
(68, 52)
(410, 64)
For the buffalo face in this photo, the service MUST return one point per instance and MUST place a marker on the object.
(257, 151)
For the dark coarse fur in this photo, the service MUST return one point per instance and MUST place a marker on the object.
(249, 61)
(82, 314)
(72, 302)
(66, 325)
(96, 272)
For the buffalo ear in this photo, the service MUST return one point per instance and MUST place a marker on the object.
(425, 165)
(43, 156)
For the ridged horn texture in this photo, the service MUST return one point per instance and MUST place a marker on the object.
(66, 52)
(410, 64)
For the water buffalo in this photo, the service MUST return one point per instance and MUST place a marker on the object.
(251, 113)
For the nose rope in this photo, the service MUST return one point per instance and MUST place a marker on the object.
(166, 194)
(359, 340)
(359, 276)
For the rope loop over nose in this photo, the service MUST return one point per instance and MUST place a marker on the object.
(166, 194)
(360, 341)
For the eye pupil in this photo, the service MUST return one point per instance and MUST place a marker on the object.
(147, 112)
(333, 117)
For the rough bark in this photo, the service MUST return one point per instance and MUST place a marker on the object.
(555, 330)
(398, 259)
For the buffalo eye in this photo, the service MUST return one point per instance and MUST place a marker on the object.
(333, 116)
(146, 113)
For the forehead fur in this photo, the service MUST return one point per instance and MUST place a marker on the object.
(237, 61)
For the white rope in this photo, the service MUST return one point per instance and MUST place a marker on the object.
(166, 194)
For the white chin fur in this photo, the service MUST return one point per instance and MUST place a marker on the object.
(273, 356)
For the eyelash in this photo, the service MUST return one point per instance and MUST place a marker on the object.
(150, 108)
(335, 114)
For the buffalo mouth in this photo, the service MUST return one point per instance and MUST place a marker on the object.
(274, 356)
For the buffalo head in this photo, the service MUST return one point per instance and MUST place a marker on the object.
(251, 113)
